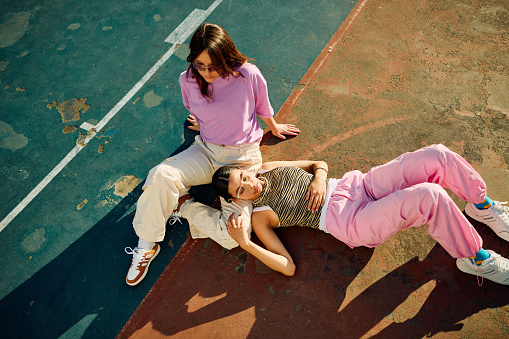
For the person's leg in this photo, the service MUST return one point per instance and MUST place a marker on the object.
(433, 164)
(437, 164)
(164, 183)
(208, 222)
(427, 203)
(374, 222)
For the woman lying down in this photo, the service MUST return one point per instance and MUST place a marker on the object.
(367, 209)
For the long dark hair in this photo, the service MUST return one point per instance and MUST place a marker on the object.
(221, 180)
(221, 49)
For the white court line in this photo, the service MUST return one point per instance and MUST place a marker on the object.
(183, 32)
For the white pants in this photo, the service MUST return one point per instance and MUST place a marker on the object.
(175, 175)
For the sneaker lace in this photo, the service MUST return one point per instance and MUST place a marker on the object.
(173, 219)
(502, 263)
(499, 208)
(476, 269)
(137, 256)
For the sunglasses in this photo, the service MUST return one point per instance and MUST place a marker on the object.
(203, 68)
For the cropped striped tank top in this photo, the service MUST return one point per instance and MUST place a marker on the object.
(285, 192)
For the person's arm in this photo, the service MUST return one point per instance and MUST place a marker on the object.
(275, 256)
(262, 104)
(317, 189)
(279, 129)
(195, 124)
(309, 166)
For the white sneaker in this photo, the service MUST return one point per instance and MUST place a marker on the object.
(495, 268)
(141, 261)
(496, 217)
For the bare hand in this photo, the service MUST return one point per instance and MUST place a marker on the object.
(195, 126)
(287, 129)
(316, 195)
(238, 229)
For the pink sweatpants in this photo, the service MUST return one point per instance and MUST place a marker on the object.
(368, 209)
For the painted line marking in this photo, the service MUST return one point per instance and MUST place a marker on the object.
(190, 24)
(183, 34)
(86, 126)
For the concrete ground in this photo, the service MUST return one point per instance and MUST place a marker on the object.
(396, 76)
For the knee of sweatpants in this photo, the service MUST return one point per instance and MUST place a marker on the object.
(164, 173)
(432, 190)
(436, 150)
(430, 196)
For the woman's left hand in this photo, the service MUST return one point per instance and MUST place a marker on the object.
(238, 229)
(316, 194)
(288, 129)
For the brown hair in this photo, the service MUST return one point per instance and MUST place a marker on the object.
(221, 181)
(221, 49)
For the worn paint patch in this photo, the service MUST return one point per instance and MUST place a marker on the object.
(243, 258)
(13, 28)
(74, 26)
(52, 104)
(107, 28)
(83, 203)
(11, 140)
(69, 129)
(108, 134)
(33, 242)
(151, 99)
(82, 138)
(182, 51)
(157, 17)
(125, 185)
(100, 149)
(71, 110)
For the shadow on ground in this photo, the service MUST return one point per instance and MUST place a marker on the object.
(82, 292)
(229, 293)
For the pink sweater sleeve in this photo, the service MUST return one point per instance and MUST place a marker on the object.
(263, 106)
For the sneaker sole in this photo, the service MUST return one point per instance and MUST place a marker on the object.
(146, 268)
(469, 210)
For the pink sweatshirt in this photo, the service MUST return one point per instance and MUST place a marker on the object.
(230, 118)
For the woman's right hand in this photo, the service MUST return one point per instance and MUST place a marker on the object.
(195, 126)
(238, 230)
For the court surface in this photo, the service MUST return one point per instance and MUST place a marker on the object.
(365, 81)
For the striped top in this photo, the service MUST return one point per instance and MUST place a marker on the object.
(285, 192)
